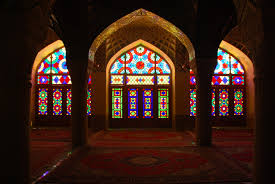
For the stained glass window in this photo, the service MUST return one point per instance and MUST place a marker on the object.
(162, 66)
(192, 80)
(57, 102)
(142, 72)
(163, 79)
(69, 101)
(223, 102)
(117, 79)
(59, 62)
(45, 66)
(132, 103)
(140, 80)
(193, 102)
(54, 83)
(138, 61)
(89, 101)
(163, 103)
(117, 104)
(43, 101)
(43, 79)
(228, 87)
(236, 67)
(238, 80)
(222, 63)
(238, 101)
(220, 80)
(90, 80)
(213, 103)
(61, 79)
(147, 103)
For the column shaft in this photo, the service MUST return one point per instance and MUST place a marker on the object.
(79, 105)
(205, 68)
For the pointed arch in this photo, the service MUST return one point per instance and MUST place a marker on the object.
(136, 15)
(51, 93)
(154, 49)
(233, 80)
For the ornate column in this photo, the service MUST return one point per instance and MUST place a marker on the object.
(205, 69)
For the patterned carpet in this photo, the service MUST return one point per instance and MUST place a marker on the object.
(237, 145)
(51, 134)
(141, 138)
(147, 165)
(151, 157)
(48, 146)
(45, 154)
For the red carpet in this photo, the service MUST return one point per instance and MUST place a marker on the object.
(141, 139)
(51, 134)
(48, 146)
(237, 145)
(152, 165)
(45, 154)
(158, 157)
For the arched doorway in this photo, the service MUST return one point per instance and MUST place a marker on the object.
(232, 82)
(51, 93)
(140, 88)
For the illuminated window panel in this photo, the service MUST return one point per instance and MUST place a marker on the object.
(236, 67)
(117, 79)
(193, 102)
(238, 102)
(213, 103)
(42, 101)
(118, 66)
(138, 62)
(163, 103)
(220, 80)
(43, 79)
(140, 80)
(117, 106)
(69, 102)
(223, 102)
(163, 79)
(147, 103)
(237, 80)
(162, 66)
(45, 66)
(132, 103)
(89, 102)
(57, 102)
(90, 79)
(222, 63)
(59, 62)
(61, 79)
(192, 80)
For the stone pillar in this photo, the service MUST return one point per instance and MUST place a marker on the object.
(205, 69)
(79, 102)
(15, 147)
(264, 104)
(264, 96)
(263, 169)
